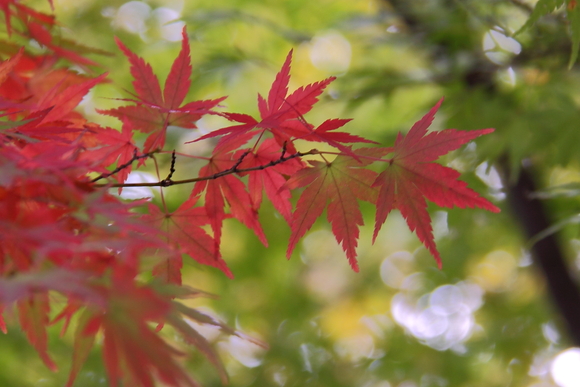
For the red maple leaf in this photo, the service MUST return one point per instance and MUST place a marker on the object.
(283, 116)
(114, 146)
(23, 12)
(272, 179)
(338, 184)
(132, 350)
(39, 31)
(411, 176)
(230, 189)
(32, 87)
(155, 111)
(33, 314)
(182, 230)
(8, 65)
(63, 102)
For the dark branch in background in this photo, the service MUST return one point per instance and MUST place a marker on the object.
(233, 169)
(530, 213)
(548, 256)
(522, 5)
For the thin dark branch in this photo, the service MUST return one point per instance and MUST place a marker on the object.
(125, 165)
(168, 180)
(233, 169)
(523, 5)
(284, 149)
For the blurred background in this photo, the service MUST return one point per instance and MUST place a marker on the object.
(504, 309)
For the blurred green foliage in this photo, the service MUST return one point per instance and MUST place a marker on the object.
(485, 319)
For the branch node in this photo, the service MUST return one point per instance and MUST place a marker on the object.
(125, 165)
(171, 170)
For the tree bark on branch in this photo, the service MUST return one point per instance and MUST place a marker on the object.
(531, 214)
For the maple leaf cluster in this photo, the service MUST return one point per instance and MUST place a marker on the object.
(62, 230)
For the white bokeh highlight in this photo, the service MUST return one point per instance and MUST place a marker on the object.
(565, 368)
(442, 319)
(331, 52)
(498, 47)
(134, 193)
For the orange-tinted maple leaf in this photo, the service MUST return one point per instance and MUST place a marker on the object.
(411, 176)
(338, 184)
(64, 101)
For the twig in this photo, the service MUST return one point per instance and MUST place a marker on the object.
(125, 165)
(167, 181)
(233, 169)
